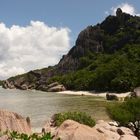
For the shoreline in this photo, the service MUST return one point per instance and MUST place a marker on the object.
(85, 93)
(92, 93)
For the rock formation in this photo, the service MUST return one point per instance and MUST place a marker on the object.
(71, 130)
(23, 85)
(55, 87)
(68, 130)
(13, 122)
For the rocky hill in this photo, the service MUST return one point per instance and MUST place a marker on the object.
(105, 57)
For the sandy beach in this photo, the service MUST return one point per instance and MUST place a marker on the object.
(92, 93)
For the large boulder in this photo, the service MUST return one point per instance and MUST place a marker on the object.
(112, 132)
(109, 132)
(71, 130)
(13, 122)
(55, 87)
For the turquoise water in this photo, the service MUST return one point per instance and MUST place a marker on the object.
(40, 106)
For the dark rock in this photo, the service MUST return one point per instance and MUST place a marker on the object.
(28, 121)
(89, 40)
(110, 24)
(120, 132)
(111, 97)
(119, 12)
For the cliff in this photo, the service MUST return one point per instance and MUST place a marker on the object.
(105, 57)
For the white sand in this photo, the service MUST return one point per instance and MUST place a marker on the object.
(92, 93)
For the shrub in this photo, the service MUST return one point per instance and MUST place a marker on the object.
(1, 83)
(127, 113)
(14, 135)
(80, 117)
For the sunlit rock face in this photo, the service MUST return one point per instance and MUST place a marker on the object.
(71, 130)
(14, 122)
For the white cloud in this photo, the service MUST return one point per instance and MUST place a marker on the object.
(34, 46)
(127, 8)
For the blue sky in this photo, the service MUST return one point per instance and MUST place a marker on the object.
(36, 33)
(74, 14)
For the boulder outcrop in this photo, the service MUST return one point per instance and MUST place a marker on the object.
(8, 84)
(24, 85)
(68, 130)
(112, 132)
(71, 130)
(13, 122)
(55, 87)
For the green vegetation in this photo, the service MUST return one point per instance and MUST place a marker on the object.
(21, 136)
(127, 112)
(80, 117)
(117, 66)
(107, 72)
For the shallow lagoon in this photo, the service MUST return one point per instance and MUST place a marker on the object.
(40, 106)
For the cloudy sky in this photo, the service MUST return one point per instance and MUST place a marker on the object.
(36, 33)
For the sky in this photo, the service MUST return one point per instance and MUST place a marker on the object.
(36, 33)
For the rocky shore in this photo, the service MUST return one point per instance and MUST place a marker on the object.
(68, 130)
(22, 85)
(71, 130)
(13, 122)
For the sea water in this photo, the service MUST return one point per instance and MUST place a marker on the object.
(40, 106)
